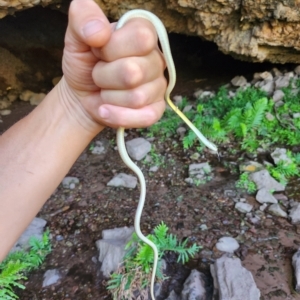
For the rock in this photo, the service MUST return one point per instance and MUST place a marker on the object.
(263, 179)
(263, 207)
(280, 154)
(51, 277)
(187, 108)
(177, 99)
(282, 81)
(181, 132)
(243, 207)
(268, 87)
(36, 99)
(269, 116)
(35, 229)
(99, 148)
(194, 287)
(69, 182)
(296, 115)
(5, 112)
(195, 156)
(278, 95)
(239, 81)
(112, 248)
(124, 180)
(202, 169)
(26, 95)
(264, 196)
(173, 296)
(138, 148)
(153, 169)
(296, 265)
(227, 244)
(232, 281)
(56, 80)
(276, 210)
(294, 213)
(12, 96)
(4, 104)
(266, 76)
(251, 166)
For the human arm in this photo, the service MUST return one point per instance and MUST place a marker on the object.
(103, 73)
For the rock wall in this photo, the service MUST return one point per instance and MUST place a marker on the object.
(254, 30)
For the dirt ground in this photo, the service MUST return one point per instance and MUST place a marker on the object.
(80, 215)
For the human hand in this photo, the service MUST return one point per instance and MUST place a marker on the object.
(111, 78)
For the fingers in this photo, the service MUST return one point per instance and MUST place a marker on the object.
(116, 116)
(138, 37)
(87, 27)
(128, 73)
(135, 98)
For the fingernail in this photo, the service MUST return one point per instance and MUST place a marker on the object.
(103, 113)
(92, 27)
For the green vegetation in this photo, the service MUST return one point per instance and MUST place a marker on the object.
(17, 265)
(136, 270)
(245, 183)
(249, 118)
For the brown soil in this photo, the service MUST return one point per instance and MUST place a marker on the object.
(81, 214)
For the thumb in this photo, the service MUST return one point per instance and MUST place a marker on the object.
(88, 26)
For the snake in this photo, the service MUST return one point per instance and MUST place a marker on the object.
(165, 46)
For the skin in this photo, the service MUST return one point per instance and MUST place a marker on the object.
(110, 79)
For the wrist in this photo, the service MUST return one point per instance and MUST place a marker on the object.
(71, 105)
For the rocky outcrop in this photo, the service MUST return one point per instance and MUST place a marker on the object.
(266, 30)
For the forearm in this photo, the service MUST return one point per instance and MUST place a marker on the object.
(35, 155)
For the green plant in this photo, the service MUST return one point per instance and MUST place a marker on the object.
(156, 159)
(135, 273)
(17, 264)
(245, 183)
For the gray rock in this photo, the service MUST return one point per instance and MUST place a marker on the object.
(269, 116)
(267, 86)
(68, 182)
(124, 180)
(280, 154)
(51, 277)
(99, 148)
(264, 196)
(194, 287)
(5, 112)
(263, 179)
(227, 244)
(232, 281)
(181, 132)
(35, 229)
(276, 72)
(187, 108)
(295, 115)
(243, 207)
(266, 76)
(263, 207)
(296, 265)
(173, 296)
(112, 248)
(177, 100)
(239, 81)
(282, 81)
(278, 95)
(153, 169)
(294, 213)
(202, 169)
(276, 210)
(297, 70)
(138, 148)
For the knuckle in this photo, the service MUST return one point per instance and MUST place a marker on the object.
(132, 73)
(138, 98)
(146, 39)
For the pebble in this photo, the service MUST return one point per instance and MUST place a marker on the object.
(243, 207)
(239, 81)
(138, 148)
(123, 180)
(227, 244)
(69, 182)
(294, 213)
(51, 277)
(276, 210)
(264, 196)
(5, 112)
